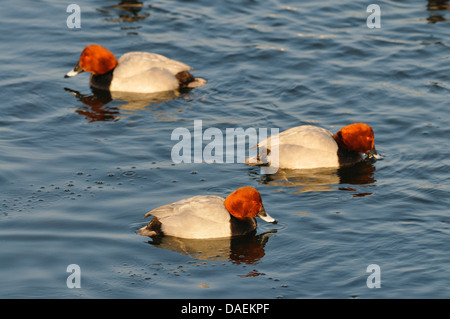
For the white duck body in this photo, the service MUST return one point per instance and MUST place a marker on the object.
(203, 216)
(144, 72)
(301, 147)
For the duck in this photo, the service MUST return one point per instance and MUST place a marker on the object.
(313, 147)
(134, 72)
(208, 216)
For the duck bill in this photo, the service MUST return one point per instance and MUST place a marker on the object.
(374, 154)
(266, 217)
(76, 70)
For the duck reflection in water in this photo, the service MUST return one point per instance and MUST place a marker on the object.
(127, 11)
(434, 6)
(246, 249)
(96, 104)
(324, 179)
(96, 109)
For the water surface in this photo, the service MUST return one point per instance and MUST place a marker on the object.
(79, 168)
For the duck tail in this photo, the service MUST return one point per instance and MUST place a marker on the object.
(196, 83)
(144, 231)
(187, 80)
(253, 161)
(152, 229)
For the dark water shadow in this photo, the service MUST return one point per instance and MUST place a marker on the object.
(96, 104)
(247, 249)
(435, 7)
(124, 11)
(324, 179)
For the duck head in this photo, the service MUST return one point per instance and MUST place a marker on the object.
(95, 59)
(358, 137)
(246, 202)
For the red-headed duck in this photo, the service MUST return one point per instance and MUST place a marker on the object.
(209, 216)
(307, 147)
(134, 72)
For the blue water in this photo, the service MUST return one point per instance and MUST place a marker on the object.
(78, 170)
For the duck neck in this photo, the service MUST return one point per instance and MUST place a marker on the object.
(347, 157)
(102, 81)
(242, 226)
